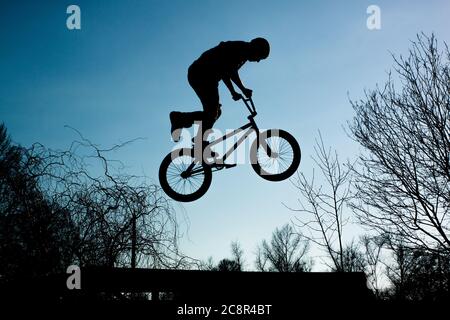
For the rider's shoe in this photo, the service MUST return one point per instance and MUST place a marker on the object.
(175, 129)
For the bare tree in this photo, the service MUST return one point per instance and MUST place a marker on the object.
(417, 273)
(236, 263)
(353, 259)
(227, 265)
(99, 214)
(286, 252)
(207, 265)
(35, 234)
(238, 253)
(123, 220)
(322, 207)
(374, 265)
(403, 183)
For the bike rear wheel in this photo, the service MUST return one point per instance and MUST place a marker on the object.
(275, 155)
(180, 183)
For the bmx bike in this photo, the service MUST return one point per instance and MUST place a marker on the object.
(185, 174)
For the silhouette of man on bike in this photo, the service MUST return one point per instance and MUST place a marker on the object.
(185, 174)
(219, 63)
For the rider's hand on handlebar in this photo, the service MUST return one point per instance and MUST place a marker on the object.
(236, 96)
(247, 92)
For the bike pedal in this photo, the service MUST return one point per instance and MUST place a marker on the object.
(227, 166)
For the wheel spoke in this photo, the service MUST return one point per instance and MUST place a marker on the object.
(184, 185)
(284, 155)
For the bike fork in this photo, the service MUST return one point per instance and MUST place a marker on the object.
(265, 146)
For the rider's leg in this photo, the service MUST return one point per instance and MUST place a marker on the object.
(209, 96)
(207, 89)
(210, 116)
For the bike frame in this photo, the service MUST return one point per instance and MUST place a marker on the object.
(250, 127)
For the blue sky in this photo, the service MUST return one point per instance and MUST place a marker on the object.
(120, 75)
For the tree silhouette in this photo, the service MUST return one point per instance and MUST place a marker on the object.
(323, 207)
(418, 274)
(286, 252)
(227, 265)
(353, 259)
(372, 247)
(121, 219)
(238, 253)
(77, 207)
(236, 263)
(403, 183)
(35, 233)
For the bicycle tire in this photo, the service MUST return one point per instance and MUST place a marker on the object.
(168, 186)
(256, 161)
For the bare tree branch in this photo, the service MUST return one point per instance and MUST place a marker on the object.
(403, 182)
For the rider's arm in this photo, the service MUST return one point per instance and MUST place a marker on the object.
(235, 78)
(236, 96)
(229, 85)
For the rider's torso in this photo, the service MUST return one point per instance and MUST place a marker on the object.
(220, 61)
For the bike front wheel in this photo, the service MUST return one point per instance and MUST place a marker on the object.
(275, 155)
(183, 177)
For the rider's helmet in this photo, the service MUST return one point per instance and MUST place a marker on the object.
(260, 49)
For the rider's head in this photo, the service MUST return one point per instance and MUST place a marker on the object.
(259, 49)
